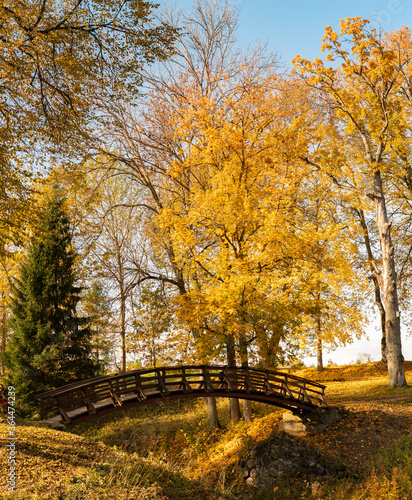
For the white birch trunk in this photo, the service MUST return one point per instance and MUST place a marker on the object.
(389, 288)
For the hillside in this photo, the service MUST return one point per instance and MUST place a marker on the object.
(165, 451)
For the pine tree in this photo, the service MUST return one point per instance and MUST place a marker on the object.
(50, 345)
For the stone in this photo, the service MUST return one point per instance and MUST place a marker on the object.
(293, 425)
(273, 472)
(320, 471)
(57, 426)
(250, 481)
(281, 455)
(250, 464)
(266, 461)
(300, 424)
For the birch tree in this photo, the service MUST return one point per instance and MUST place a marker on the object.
(366, 122)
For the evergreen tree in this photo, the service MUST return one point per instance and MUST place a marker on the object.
(50, 344)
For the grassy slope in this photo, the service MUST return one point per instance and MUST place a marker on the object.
(165, 450)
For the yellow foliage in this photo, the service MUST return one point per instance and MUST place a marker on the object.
(257, 232)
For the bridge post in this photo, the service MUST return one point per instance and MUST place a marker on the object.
(266, 384)
(89, 405)
(42, 410)
(161, 380)
(247, 383)
(65, 418)
(206, 380)
(184, 385)
(141, 396)
(115, 398)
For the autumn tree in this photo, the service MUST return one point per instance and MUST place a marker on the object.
(366, 96)
(262, 243)
(152, 320)
(335, 312)
(97, 306)
(139, 142)
(58, 58)
(111, 226)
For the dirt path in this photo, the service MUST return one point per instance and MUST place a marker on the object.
(386, 400)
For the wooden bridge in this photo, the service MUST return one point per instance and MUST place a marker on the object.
(94, 397)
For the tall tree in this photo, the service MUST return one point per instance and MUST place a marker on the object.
(112, 225)
(96, 304)
(153, 318)
(58, 60)
(50, 344)
(367, 118)
(141, 145)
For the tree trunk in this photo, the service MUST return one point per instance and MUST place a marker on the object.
(389, 288)
(123, 329)
(268, 350)
(376, 284)
(247, 405)
(231, 361)
(211, 402)
(213, 415)
(319, 352)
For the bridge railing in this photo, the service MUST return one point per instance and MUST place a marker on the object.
(161, 382)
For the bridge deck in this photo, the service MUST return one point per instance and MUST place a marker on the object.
(94, 397)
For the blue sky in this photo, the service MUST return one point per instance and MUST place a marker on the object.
(297, 27)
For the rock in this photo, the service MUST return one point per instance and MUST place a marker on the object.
(300, 424)
(57, 426)
(266, 461)
(253, 474)
(273, 472)
(281, 455)
(250, 481)
(250, 464)
(320, 471)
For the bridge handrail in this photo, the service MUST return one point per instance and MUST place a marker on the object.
(270, 386)
(179, 369)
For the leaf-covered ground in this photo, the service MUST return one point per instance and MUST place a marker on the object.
(365, 430)
(60, 465)
(165, 451)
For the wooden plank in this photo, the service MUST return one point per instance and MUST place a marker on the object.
(65, 417)
(139, 388)
(89, 405)
(226, 383)
(184, 384)
(286, 389)
(115, 398)
(206, 382)
(302, 392)
(164, 391)
(248, 384)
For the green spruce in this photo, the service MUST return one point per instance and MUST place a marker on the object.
(50, 344)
